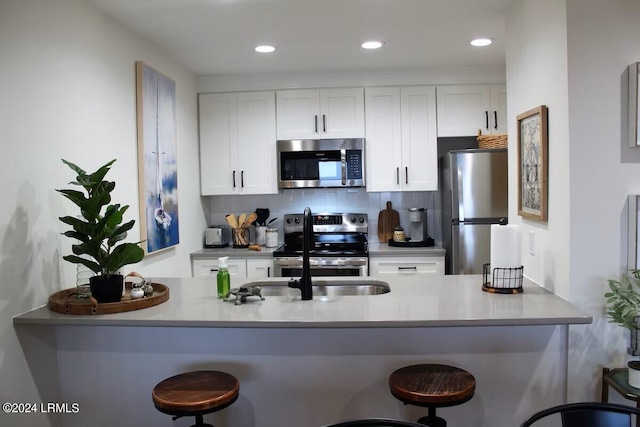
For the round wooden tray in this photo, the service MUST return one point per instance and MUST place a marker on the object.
(66, 301)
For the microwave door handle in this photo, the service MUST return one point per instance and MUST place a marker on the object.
(343, 162)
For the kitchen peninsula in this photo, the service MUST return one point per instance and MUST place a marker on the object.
(308, 363)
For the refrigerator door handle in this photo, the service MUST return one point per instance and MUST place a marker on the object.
(459, 190)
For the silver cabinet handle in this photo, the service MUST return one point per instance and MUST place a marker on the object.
(242, 179)
(398, 176)
(406, 175)
(315, 121)
(268, 271)
(324, 123)
(234, 179)
(408, 268)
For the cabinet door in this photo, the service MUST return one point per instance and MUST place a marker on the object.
(256, 147)
(297, 114)
(463, 110)
(341, 113)
(383, 149)
(419, 139)
(259, 268)
(407, 266)
(209, 267)
(218, 136)
(499, 109)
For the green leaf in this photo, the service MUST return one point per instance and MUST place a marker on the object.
(125, 254)
(93, 266)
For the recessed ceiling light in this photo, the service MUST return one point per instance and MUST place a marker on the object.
(265, 48)
(481, 42)
(373, 44)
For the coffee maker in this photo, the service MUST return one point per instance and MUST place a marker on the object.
(418, 226)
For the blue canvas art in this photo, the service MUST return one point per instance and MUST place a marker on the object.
(157, 159)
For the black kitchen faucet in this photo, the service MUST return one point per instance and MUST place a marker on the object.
(304, 283)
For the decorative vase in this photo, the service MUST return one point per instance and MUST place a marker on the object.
(634, 373)
(107, 288)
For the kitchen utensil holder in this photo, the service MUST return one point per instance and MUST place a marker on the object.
(240, 237)
(503, 280)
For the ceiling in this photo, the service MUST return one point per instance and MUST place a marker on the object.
(217, 37)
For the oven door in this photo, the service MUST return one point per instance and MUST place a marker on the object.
(341, 266)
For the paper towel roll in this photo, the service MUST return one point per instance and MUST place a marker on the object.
(506, 244)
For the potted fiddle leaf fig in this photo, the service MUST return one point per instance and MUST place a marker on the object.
(99, 232)
(623, 307)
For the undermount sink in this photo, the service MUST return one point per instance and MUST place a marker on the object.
(324, 288)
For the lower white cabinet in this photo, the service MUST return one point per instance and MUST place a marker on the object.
(240, 267)
(259, 268)
(406, 265)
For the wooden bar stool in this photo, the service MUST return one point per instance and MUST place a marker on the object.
(432, 386)
(195, 394)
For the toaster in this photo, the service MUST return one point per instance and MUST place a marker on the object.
(216, 236)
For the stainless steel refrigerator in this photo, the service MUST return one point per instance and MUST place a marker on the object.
(474, 196)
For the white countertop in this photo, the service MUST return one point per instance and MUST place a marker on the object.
(383, 249)
(436, 301)
(375, 249)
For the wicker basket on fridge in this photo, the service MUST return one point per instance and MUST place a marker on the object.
(498, 140)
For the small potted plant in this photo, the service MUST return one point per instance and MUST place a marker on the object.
(99, 230)
(623, 307)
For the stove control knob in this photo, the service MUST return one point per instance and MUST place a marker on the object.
(353, 220)
(361, 220)
(297, 220)
(288, 220)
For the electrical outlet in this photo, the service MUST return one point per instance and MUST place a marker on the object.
(532, 243)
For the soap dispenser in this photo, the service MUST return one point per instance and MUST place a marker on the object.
(224, 280)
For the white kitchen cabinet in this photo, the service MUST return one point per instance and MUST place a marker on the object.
(240, 267)
(237, 143)
(463, 110)
(259, 268)
(406, 266)
(401, 147)
(320, 113)
(209, 267)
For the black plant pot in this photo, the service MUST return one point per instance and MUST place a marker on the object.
(107, 288)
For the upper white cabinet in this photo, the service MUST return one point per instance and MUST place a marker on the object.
(463, 110)
(237, 143)
(401, 139)
(320, 113)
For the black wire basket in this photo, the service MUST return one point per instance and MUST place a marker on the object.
(503, 280)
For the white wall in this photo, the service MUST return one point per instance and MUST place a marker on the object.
(602, 173)
(575, 63)
(537, 75)
(68, 91)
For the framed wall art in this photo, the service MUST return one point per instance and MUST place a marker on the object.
(157, 160)
(634, 104)
(533, 164)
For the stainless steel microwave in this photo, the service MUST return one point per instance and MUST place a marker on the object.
(304, 163)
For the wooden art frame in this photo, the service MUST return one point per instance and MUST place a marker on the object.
(157, 159)
(533, 164)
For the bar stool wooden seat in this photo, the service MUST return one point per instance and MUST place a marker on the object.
(432, 386)
(195, 394)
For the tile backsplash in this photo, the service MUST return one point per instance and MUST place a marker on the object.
(336, 200)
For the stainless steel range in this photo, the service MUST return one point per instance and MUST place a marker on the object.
(339, 246)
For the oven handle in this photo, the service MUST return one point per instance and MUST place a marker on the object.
(315, 263)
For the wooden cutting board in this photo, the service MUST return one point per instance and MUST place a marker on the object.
(388, 220)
